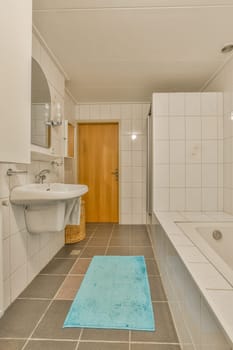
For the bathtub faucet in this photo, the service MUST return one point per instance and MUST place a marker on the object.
(40, 177)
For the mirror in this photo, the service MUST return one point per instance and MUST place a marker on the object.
(40, 107)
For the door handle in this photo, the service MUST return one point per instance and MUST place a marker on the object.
(115, 172)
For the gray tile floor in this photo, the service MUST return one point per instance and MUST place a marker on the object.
(34, 321)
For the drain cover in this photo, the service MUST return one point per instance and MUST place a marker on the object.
(75, 252)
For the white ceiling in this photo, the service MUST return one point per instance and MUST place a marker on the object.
(123, 50)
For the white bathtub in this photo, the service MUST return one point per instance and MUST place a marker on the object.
(218, 252)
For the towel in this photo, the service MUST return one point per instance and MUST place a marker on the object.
(73, 210)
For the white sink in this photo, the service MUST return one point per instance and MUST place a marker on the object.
(44, 193)
(49, 207)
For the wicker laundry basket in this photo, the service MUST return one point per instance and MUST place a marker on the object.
(76, 233)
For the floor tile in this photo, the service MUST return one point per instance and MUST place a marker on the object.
(103, 346)
(81, 266)
(152, 267)
(140, 239)
(11, 344)
(147, 252)
(58, 266)
(95, 241)
(165, 331)
(154, 347)
(156, 289)
(105, 334)
(70, 287)
(89, 252)
(21, 318)
(120, 241)
(51, 326)
(51, 345)
(43, 287)
(118, 251)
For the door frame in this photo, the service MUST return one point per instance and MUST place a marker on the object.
(102, 121)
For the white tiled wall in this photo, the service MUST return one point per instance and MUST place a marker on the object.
(188, 156)
(132, 169)
(25, 254)
(224, 82)
(69, 163)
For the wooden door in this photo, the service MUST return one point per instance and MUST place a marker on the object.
(98, 168)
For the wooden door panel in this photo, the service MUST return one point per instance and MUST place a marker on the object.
(98, 159)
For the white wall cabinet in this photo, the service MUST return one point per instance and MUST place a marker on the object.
(15, 82)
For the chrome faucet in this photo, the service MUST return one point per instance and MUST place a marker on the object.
(40, 177)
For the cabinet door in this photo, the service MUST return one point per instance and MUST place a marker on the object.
(15, 82)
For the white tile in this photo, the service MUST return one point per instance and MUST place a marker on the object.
(18, 281)
(125, 158)
(227, 150)
(136, 206)
(161, 127)
(17, 222)
(137, 190)
(126, 190)
(177, 151)
(209, 151)
(115, 111)
(177, 175)
(94, 111)
(6, 258)
(6, 293)
(210, 175)
(191, 254)
(193, 175)
(161, 176)
(126, 111)
(84, 112)
(5, 218)
(161, 199)
(137, 126)
(4, 180)
(210, 128)
(208, 276)
(18, 250)
(193, 128)
(192, 104)
(136, 158)
(212, 336)
(125, 144)
(193, 151)
(193, 199)
(125, 126)
(33, 244)
(105, 111)
(210, 199)
(137, 144)
(138, 110)
(177, 199)
(209, 103)
(126, 206)
(137, 219)
(126, 219)
(137, 174)
(161, 152)
(176, 104)
(177, 128)
(160, 104)
(220, 301)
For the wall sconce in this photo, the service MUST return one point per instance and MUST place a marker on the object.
(57, 121)
(133, 137)
(231, 115)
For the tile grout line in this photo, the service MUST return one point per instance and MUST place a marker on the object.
(78, 342)
(109, 240)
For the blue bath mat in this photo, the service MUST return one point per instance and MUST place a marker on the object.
(114, 294)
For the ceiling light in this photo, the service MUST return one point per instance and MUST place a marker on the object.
(227, 48)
